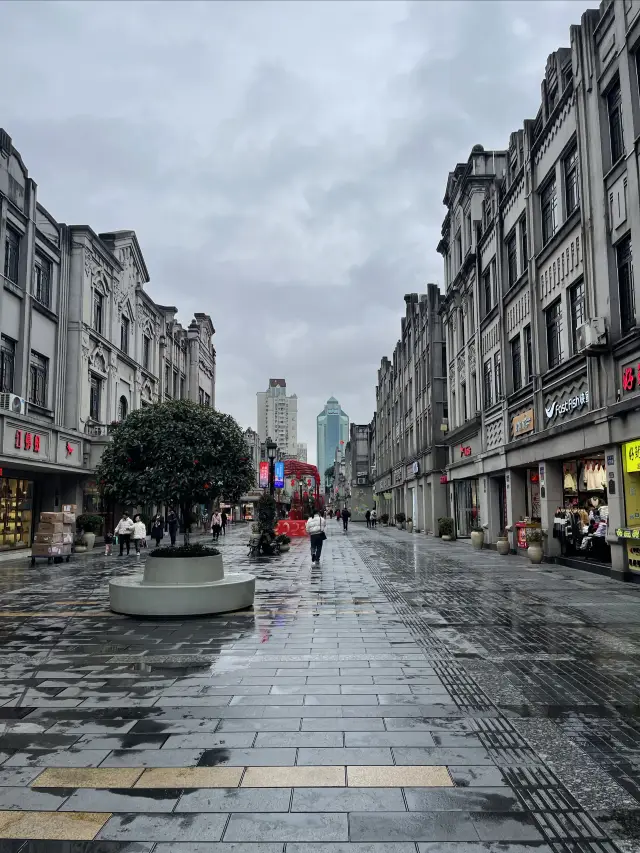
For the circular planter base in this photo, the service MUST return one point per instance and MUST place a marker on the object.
(132, 597)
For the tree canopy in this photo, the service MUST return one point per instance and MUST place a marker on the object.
(178, 453)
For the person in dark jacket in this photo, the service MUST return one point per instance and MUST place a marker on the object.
(367, 517)
(157, 529)
(345, 515)
(172, 525)
(223, 516)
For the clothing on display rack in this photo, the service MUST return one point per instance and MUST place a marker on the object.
(594, 476)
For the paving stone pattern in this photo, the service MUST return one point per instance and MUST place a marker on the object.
(405, 696)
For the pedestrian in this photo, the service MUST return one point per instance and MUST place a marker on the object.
(108, 543)
(216, 525)
(315, 527)
(367, 517)
(172, 525)
(139, 534)
(123, 531)
(157, 529)
(338, 515)
(223, 519)
(345, 515)
(331, 513)
(374, 517)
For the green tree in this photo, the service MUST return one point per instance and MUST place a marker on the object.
(177, 453)
(328, 474)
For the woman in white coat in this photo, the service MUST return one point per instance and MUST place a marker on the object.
(315, 527)
(139, 533)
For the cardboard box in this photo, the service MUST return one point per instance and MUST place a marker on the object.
(68, 518)
(51, 517)
(50, 527)
(67, 538)
(70, 508)
(39, 549)
(49, 538)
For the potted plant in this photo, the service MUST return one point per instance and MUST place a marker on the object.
(410, 525)
(477, 537)
(534, 545)
(446, 528)
(79, 544)
(285, 542)
(89, 525)
(401, 519)
(384, 518)
(502, 545)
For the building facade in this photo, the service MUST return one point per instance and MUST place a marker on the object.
(411, 408)
(278, 417)
(301, 451)
(332, 434)
(358, 475)
(82, 345)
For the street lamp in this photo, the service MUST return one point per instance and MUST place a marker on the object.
(272, 450)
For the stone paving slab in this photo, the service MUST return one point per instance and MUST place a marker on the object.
(405, 696)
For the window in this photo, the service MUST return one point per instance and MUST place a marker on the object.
(122, 408)
(146, 352)
(512, 260)
(614, 109)
(167, 381)
(487, 385)
(578, 312)
(182, 388)
(472, 316)
(528, 350)
(38, 370)
(571, 181)
(469, 232)
(516, 363)
(474, 395)
(486, 290)
(458, 251)
(549, 205)
(497, 367)
(201, 396)
(465, 410)
(624, 262)
(461, 326)
(11, 255)
(524, 249)
(98, 311)
(95, 397)
(7, 364)
(42, 281)
(176, 385)
(124, 334)
(553, 316)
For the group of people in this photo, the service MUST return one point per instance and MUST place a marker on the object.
(135, 530)
(371, 517)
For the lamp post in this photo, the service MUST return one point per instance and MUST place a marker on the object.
(272, 449)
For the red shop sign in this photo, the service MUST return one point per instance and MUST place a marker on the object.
(444, 479)
(27, 441)
(465, 451)
(631, 378)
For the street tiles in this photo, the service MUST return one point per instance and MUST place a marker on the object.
(405, 696)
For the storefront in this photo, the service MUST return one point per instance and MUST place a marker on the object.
(467, 506)
(464, 477)
(581, 522)
(16, 512)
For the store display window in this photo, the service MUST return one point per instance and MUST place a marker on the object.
(533, 495)
(581, 523)
(467, 500)
(16, 513)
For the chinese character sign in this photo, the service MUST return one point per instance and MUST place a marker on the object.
(631, 456)
(264, 475)
(278, 481)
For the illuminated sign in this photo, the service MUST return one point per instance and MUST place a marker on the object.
(444, 479)
(631, 456)
(465, 450)
(278, 480)
(630, 378)
(264, 475)
(27, 441)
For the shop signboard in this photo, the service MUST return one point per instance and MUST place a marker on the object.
(560, 408)
(522, 423)
(278, 479)
(629, 376)
(264, 475)
(631, 456)
(628, 532)
(25, 443)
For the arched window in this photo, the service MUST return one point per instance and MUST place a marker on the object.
(122, 408)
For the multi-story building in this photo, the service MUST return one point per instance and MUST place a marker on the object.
(278, 417)
(301, 451)
(332, 434)
(252, 440)
(82, 345)
(411, 407)
(358, 471)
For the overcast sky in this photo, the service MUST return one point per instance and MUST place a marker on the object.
(282, 163)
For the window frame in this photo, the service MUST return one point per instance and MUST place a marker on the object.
(577, 311)
(487, 383)
(515, 346)
(549, 204)
(97, 317)
(11, 267)
(95, 397)
(123, 408)
(42, 271)
(487, 292)
(512, 258)
(528, 352)
(524, 246)
(125, 330)
(146, 352)
(553, 327)
(497, 370)
(7, 364)
(626, 294)
(38, 379)
(571, 170)
(613, 98)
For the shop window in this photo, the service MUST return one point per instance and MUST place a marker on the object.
(95, 397)
(516, 363)
(42, 281)
(549, 210)
(624, 262)
(11, 255)
(16, 513)
(7, 365)
(467, 506)
(38, 375)
(487, 384)
(614, 111)
(578, 312)
(553, 318)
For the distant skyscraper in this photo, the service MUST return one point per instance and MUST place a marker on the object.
(278, 417)
(302, 451)
(333, 434)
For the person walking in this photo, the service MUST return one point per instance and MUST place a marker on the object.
(157, 529)
(223, 519)
(216, 525)
(367, 517)
(139, 534)
(345, 515)
(338, 515)
(172, 525)
(374, 518)
(108, 543)
(123, 531)
(315, 527)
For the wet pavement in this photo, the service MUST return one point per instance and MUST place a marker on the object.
(405, 696)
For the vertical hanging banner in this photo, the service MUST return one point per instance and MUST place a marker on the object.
(264, 475)
(278, 480)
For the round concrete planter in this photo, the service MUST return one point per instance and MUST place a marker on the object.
(534, 553)
(410, 526)
(284, 548)
(181, 586)
(89, 540)
(446, 538)
(477, 539)
(502, 546)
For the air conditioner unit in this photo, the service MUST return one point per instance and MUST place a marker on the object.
(14, 404)
(362, 481)
(591, 334)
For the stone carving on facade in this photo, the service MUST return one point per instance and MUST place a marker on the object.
(452, 372)
(461, 363)
(85, 346)
(126, 283)
(207, 369)
(472, 358)
(97, 360)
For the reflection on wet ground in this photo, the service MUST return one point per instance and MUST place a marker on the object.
(405, 696)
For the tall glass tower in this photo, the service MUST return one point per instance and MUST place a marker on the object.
(333, 433)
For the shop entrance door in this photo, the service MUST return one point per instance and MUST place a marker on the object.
(467, 506)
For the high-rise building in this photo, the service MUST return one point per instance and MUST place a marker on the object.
(333, 434)
(302, 451)
(278, 417)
